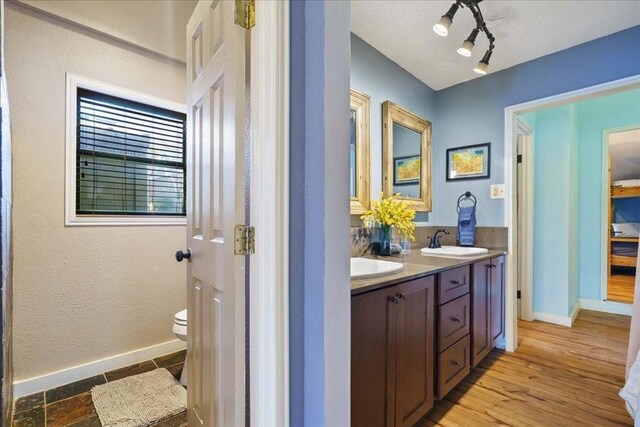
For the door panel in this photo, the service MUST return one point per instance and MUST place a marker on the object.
(481, 341)
(373, 326)
(415, 350)
(215, 191)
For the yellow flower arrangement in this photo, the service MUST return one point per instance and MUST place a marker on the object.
(392, 212)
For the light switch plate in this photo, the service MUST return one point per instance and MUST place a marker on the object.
(497, 191)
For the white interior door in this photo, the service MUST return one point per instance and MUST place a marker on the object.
(215, 203)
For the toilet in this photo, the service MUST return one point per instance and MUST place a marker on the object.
(180, 329)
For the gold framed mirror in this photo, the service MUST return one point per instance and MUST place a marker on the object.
(406, 156)
(360, 135)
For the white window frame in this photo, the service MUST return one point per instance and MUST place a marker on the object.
(71, 218)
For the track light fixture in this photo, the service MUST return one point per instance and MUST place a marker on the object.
(483, 65)
(443, 25)
(469, 43)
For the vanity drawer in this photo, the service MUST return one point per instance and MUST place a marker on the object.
(454, 365)
(453, 284)
(454, 321)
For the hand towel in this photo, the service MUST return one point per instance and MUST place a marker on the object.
(466, 233)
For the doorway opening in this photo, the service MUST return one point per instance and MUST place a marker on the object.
(621, 148)
(580, 273)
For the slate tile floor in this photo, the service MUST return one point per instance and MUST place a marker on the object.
(71, 404)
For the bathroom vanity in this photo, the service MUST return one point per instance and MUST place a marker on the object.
(416, 334)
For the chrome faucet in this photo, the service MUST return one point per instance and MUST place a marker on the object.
(435, 240)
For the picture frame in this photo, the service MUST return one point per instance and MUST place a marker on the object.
(469, 162)
(406, 170)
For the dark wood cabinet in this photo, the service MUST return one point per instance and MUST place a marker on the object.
(392, 351)
(415, 341)
(488, 298)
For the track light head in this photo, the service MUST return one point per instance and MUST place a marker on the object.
(483, 65)
(442, 27)
(469, 43)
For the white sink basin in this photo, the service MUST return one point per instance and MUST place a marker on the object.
(362, 268)
(454, 251)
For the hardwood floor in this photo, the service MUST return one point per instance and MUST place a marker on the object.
(557, 377)
(621, 287)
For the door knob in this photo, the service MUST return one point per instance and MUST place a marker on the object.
(183, 255)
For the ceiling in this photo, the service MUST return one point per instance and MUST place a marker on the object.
(524, 30)
(624, 148)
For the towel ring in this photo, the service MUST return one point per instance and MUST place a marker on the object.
(466, 196)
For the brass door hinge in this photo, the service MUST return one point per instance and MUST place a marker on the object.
(245, 14)
(245, 240)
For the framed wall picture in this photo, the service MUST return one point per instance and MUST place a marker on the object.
(469, 162)
(406, 170)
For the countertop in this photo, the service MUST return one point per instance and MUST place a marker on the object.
(416, 265)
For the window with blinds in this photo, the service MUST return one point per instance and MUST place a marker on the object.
(130, 157)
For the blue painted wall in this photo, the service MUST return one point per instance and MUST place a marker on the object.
(383, 80)
(297, 130)
(319, 293)
(473, 112)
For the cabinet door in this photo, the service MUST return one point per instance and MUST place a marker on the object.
(480, 331)
(497, 300)
(373, 360)
(415, 350)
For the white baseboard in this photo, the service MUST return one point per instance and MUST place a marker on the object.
(76, 373)
(606, 306)
(558, 319)
(574, 313)
(552, 318)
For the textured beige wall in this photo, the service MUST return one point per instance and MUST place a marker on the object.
(158, 25)
(81, 293)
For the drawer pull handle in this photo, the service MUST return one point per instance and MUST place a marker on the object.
(402, 296)
(455, 319)
(456, 363)
(393, 299)
(457, 283)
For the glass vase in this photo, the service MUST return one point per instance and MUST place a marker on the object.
(385, 240)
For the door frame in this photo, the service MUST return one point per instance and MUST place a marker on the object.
(606, 203)
(269, 193)
(510, 210)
